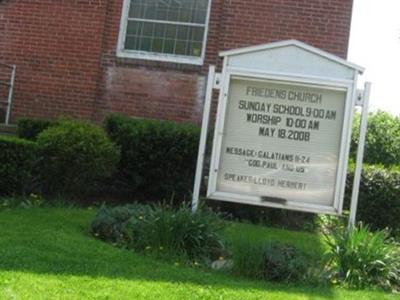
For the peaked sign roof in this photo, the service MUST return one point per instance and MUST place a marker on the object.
(292, 43)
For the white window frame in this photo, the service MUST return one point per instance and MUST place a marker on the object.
(145, 55)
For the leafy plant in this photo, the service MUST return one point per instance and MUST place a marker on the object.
(161, 229)
(379, 201)
(17, 159)
(280, 218)
(31, 201)
(360, 258)
(382, 141)
(328, 223)
(73, 156)
(272, 261)
(30, 128)
(158, 158)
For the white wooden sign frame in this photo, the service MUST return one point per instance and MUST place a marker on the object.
(213, 193)
(222, 83)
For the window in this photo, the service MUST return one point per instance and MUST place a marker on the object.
(167, 30)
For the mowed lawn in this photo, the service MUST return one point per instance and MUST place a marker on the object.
(47, 253)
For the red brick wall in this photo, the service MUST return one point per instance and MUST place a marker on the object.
(65, 53)
(322, 23)
(153, 93)
(56, 46)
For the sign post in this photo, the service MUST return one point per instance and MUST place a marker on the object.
(360, 153)
(283, 128)
(203, 139)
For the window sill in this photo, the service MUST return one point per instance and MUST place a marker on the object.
(198, 61)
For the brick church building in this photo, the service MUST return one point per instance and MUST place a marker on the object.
(145, 58)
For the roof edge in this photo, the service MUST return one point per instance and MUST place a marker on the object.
(296, 43)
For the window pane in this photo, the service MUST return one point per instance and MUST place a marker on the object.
(185, 15)
(173, 14)
(132, 28)
(198, 34)
(169, 46)
(171, 31)
(146, 30)
(157, 45)
(130, 42)
(160, 38)
(180, 48)
(161, 14)
(201, 15)
(150, 12)
(136, 11)
(183, 32)
(145, 44)
(196, 48)
(159, 30)
(190, 11)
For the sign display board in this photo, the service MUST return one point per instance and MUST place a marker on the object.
(281, 141)
(283, 128)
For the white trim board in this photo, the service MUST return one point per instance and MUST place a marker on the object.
(214, 193)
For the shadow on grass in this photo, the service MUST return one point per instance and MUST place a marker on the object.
(55, 241)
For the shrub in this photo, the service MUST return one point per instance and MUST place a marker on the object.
(272, 261)
(382, 141)
(269, 216)
(360, 258)
(73, 156)
(379, 201)
(29, 128)
(161, 229)
(378, 206)
(158, 158)
(17, 158)
(24, 202)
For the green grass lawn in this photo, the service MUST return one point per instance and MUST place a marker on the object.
(47, 253)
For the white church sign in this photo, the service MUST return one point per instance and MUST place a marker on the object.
(283, 127)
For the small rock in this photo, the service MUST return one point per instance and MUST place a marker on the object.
(222, 264)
